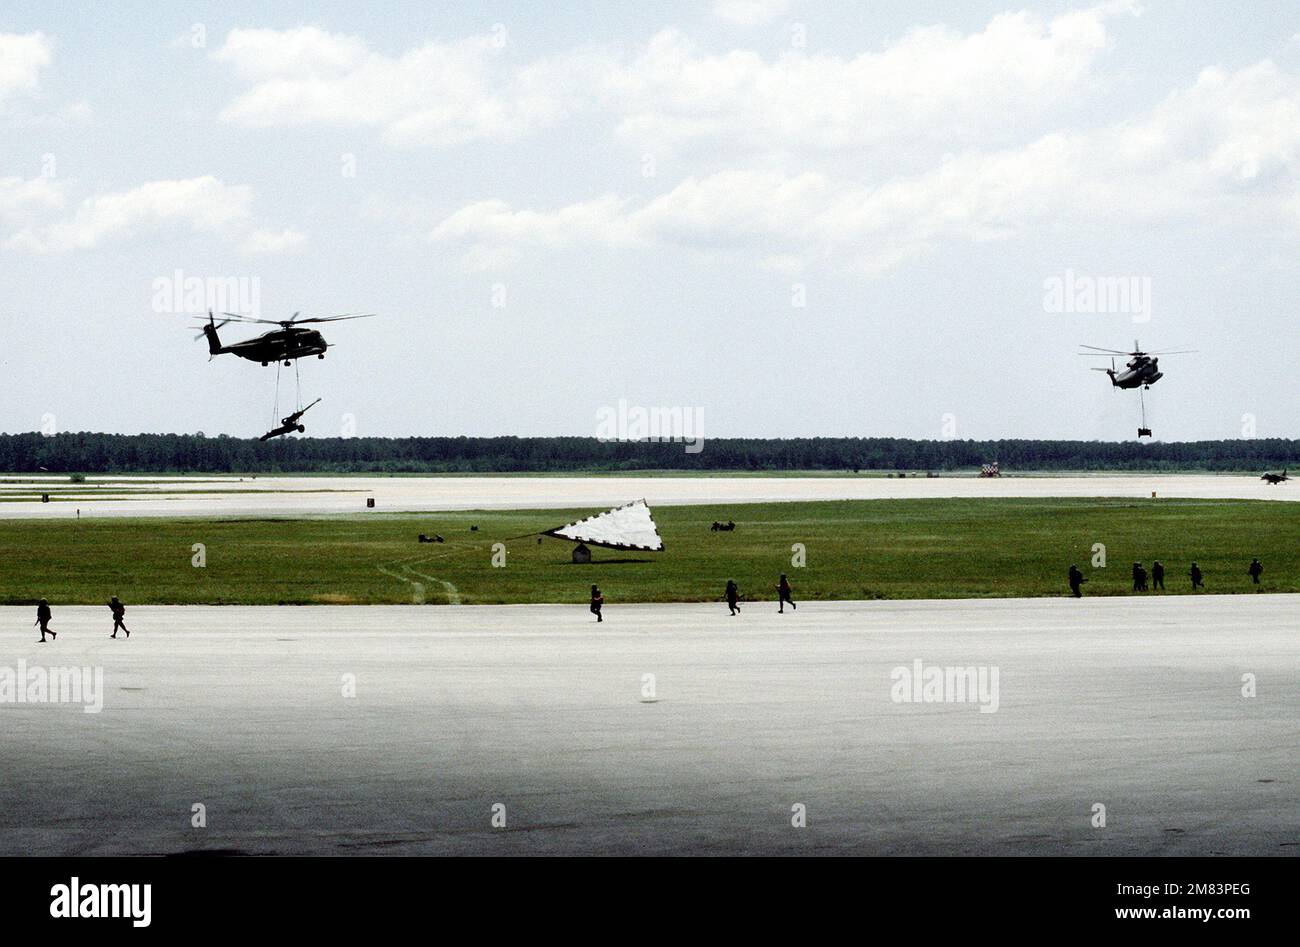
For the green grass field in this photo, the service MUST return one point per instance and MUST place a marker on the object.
(893, 549)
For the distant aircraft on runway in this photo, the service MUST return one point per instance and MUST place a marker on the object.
(1272, 478)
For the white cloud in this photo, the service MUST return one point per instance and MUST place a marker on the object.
(202, 204)
(269, 242)
(581, 221)
(749, 12)
(1231, 128)
(22, 201)
(1225, 151)
(437, 94)
(784, 219)
(933, 83)
(22, 57)
(71, 115)
(493, 231)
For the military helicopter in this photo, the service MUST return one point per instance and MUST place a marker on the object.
(1142, 370)
(286, 344)
(1273, 479)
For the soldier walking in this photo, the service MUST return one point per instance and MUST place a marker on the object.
(43, 619)
(1076, 580)
(119, 613)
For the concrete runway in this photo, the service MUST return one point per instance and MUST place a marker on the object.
(1134, 703)
(317, 495)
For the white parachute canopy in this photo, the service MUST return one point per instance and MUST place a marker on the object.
(624, 527)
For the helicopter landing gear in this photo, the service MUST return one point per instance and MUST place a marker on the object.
(264, 364)
(287, 363)
(321, 355)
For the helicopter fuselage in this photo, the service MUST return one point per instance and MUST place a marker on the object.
(280, 345)
(1140, 372)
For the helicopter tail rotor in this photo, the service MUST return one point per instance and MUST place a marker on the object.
(210, 330)
(1110, 372)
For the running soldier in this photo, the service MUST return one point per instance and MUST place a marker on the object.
(783, 594)
(733, 597)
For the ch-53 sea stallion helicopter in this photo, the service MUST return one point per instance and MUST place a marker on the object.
(1142, 371)
(285, 344)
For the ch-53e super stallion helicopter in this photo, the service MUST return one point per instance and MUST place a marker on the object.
(1142, 371)
(283, 346)
(286, 344)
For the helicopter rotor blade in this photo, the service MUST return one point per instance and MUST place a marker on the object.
(1177, 352)
(348, 315)
(236, 317)
(1105, 351)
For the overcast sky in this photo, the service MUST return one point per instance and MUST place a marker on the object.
(795, 218)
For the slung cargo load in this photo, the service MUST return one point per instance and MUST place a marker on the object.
(624, 527)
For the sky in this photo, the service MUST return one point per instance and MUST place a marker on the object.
(781, 218)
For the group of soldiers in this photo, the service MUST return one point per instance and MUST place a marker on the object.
(43, 616)
(784, 594)
(1156, 580)
(1144, 581)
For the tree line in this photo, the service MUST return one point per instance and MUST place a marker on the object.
(91, 453)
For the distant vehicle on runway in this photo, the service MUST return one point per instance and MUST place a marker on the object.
(286, 344)
(1273, 479)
